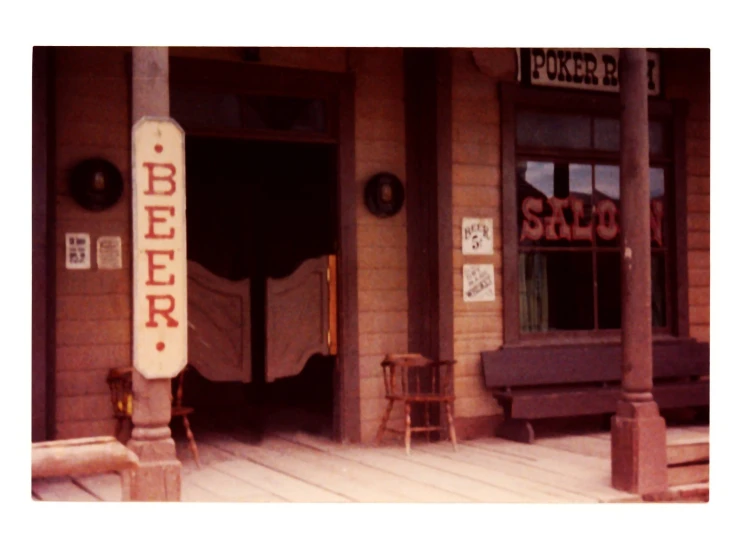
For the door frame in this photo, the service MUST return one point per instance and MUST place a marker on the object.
(338, 90)
(43, 304)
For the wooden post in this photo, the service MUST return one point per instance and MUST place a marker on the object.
(638, 436)
(158, 477)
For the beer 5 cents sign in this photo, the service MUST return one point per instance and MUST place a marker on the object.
(160, 345)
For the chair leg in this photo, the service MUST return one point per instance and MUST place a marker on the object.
(407, 428)
(385, 419)
(191, 441)
(450, 419)
(427, 419)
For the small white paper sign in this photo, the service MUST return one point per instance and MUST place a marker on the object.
(477, 236)
(479, 283)
(77, 250)
(108, 253)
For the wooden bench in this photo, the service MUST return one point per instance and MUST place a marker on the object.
(575, 380)
(89, 455)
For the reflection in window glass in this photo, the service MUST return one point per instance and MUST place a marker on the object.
(657, 183)
(607, 182)
(608, 285)
(553, 130)
(538, 177)
(549, 196)
(580, 180)
(555, 291)
(658, 283)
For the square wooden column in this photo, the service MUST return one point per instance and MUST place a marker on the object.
(638, 432)
(158, 477)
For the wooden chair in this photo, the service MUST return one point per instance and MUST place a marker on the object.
(412, 378)
(120, 383)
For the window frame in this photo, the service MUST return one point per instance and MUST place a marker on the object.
(513, 97)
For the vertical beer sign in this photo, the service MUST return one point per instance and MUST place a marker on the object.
(160, 324)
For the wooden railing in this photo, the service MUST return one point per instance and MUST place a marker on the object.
(90, 455)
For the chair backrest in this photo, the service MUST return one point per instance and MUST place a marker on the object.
(413, 373)
(120, 384)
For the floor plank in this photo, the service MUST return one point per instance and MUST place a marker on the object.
(284, 486)
(406, 489)
(60, 489)
(686, 475)
(547, 457)
(229, 487)
(682, 436)
(543, 485)
(106, 487)
(567, 474)
(587, 446)
(191, 492)
(389, 460)
(501, 486)
(688, 452)
(318, 474)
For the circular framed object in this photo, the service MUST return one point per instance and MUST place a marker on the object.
(96, 184)
(384, 194)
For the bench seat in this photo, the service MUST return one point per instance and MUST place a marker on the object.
(570, 381)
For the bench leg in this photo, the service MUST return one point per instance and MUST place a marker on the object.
(516, 429)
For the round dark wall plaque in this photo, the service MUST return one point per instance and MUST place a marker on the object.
(96, 184)
(384, 195)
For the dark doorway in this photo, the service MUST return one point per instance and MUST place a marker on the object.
(258, 210)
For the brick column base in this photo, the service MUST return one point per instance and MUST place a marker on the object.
(638, 448)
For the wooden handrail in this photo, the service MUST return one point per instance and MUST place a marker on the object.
(90, 455)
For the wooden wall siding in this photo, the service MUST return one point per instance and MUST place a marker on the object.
(382, 243)
(93, 308)
(687, 77)
(476, 193)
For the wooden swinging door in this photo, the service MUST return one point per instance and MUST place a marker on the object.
(300, 317)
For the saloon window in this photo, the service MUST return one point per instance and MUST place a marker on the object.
(561, 206)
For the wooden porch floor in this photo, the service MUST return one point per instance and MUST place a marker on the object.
(297, 467)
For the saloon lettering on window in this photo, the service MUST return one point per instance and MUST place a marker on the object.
(589, 69)
(546, 218)
(160, 290)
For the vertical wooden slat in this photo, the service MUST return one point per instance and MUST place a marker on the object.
(333, 305)
(509, 216)
(347, 399)
(42, 248)
(444, 207)
(680, 273)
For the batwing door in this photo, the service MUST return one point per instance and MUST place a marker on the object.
(218, 325)
(300, 317)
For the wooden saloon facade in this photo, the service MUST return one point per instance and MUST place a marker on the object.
(460, 203)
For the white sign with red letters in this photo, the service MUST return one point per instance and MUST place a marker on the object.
(160, 306)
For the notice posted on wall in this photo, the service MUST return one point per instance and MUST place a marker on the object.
(77, 250)
(477, 236)
(479, 283)
(108, 253)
